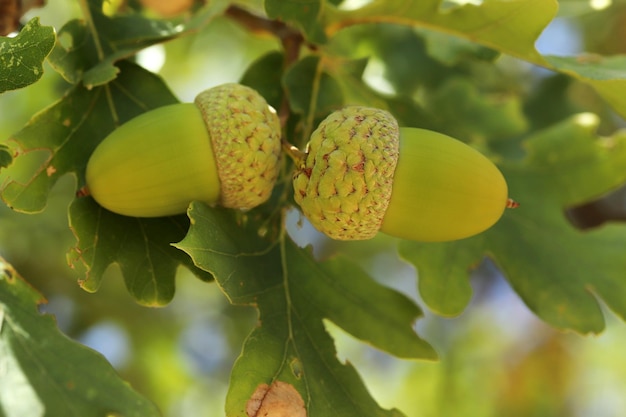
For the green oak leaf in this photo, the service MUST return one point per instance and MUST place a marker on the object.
(21, 57)
(509, 27)
(311, 89)
(555, 268)
(471, 113)
(349, 75)
(294, 294)
(264, 78)
(408, 67)
(453, 50)
(44, 373)
(80, 55)
(6, 157)
(607, 75)
(141, 247)
(506, 26)
(70, 130)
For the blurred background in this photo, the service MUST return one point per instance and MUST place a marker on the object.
(497, 358)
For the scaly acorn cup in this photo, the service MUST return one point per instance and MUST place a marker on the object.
(363, 174)
(222, 149)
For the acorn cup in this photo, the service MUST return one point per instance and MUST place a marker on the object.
(222, 149)
(363, 174)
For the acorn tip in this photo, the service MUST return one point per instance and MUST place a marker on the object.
(83, 192)
(510, 203)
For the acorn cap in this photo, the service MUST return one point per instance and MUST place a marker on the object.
(245, 133)
(344, 183)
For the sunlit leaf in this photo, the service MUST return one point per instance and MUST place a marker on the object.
(557, 269)
(87, 50)
(69, 130)
(510, 27)
(507, 26)
(21, 57)
(294, 293)
(46, 373)
(311, 89)
(607, 75)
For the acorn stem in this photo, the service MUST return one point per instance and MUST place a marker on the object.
(293, 152)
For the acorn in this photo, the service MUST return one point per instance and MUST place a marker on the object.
(362, 174)
(223, 149)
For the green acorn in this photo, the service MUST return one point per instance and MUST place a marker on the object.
(222, 149)
(363, 174)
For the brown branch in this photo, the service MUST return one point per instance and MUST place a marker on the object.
(291, 41)
(11, 11)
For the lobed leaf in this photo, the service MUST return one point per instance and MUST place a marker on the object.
(453, 50)
(6, 158)
(556, 269)
(141, 247)
(87, 50)
(507, 26)
(491, 116)
(69, 130)
(311, 89)
(294, 294)
(21, 57)
(607, 75)
(264, 78)
(510, 27)
(45, 373)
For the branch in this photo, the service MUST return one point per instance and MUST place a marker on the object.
(291, 40)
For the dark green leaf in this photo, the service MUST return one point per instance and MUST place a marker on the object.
(141, 247)
(556, 269)
(70, 130)
(550, 102)
(507, 26)
(46, 374)
(79, 56)
(407, 67)
(510, 27)
(470, 114)
(6, 157)
(607, 75)
(21, 57)
(294, 293)
(310, 87)
(265, 75)
(453, 50)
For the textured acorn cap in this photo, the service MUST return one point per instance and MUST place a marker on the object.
(344, 183)
(245, 133)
